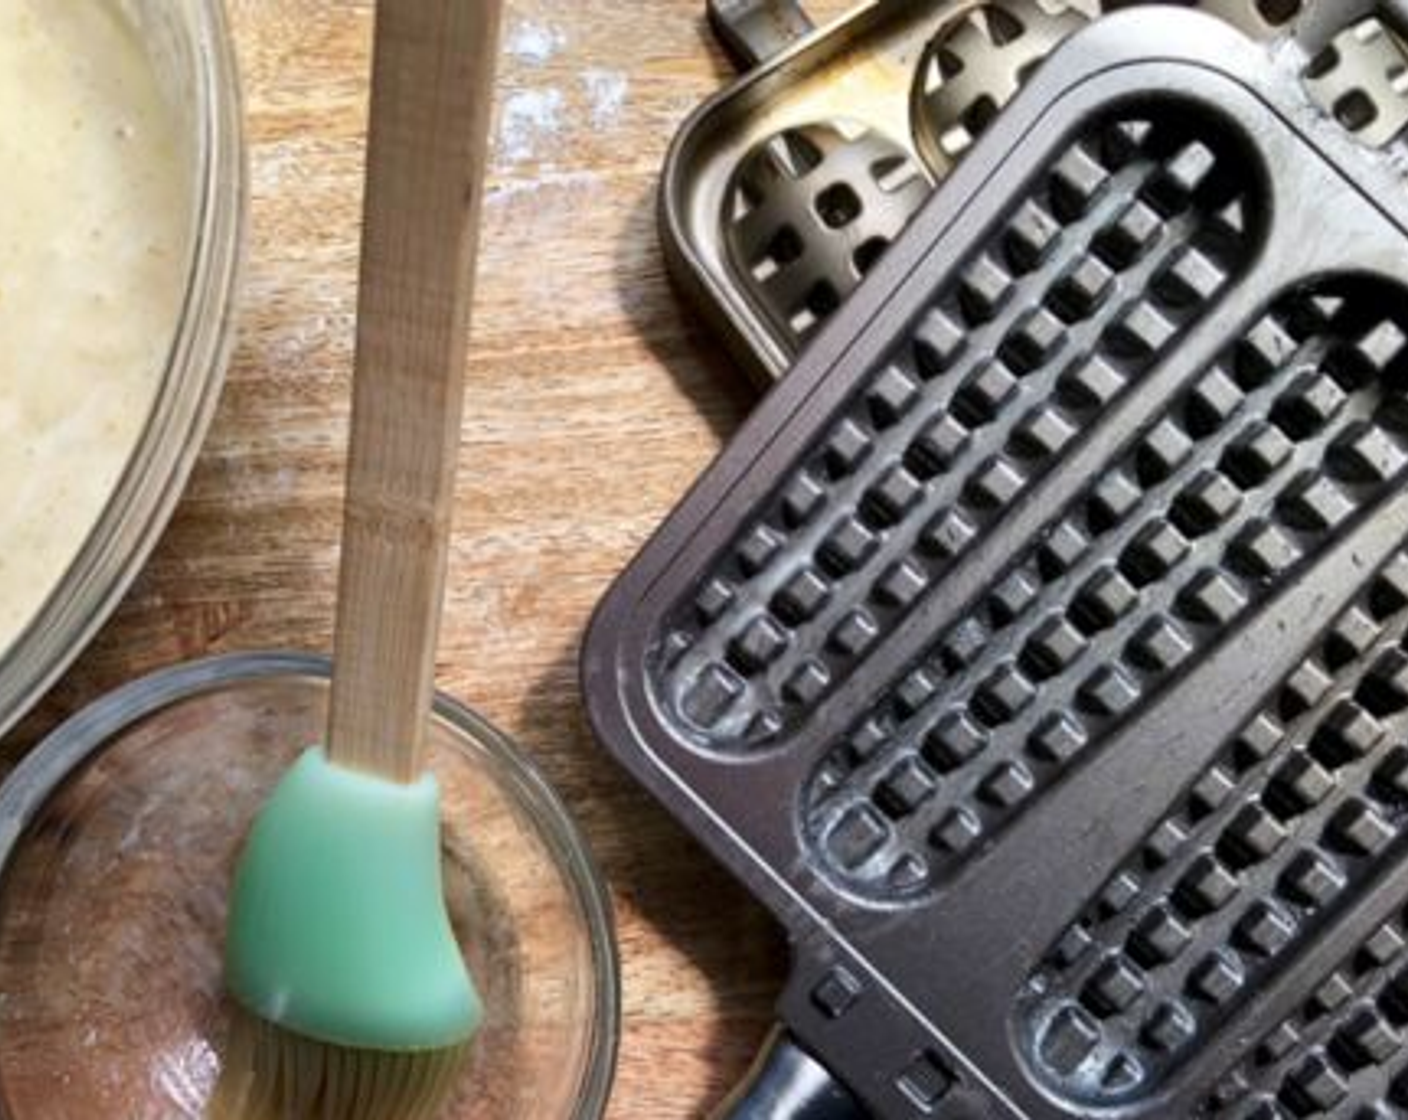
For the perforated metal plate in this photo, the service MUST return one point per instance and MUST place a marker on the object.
(809, 214)
(1362, 78)
(976, 64)
(1037, 651)
(788, 258)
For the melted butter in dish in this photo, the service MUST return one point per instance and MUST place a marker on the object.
(95, 190)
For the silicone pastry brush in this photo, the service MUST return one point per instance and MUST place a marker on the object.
(356, 1001)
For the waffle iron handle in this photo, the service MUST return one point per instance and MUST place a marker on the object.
(752, 31)
(787, 1083)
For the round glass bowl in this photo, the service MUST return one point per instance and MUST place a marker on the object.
(190, 51)
(118, 837)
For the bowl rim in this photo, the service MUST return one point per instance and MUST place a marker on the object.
(126, 531)
(81, 737)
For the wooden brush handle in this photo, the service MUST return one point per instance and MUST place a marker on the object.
(432, 92)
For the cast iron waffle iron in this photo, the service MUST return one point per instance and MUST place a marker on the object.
(782, 192)
(1038, 652)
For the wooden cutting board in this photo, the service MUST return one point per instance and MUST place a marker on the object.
(594, 399)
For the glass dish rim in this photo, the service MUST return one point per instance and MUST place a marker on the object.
(83, 735)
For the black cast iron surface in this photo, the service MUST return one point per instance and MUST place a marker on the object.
(1038, 652)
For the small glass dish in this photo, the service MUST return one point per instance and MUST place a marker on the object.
(118, 837)
(188, 43)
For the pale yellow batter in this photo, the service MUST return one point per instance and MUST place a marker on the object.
(94, 217)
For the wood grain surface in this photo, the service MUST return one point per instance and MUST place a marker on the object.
(432, 92)
(594, 399)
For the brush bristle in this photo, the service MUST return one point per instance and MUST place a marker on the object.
(270, 1073)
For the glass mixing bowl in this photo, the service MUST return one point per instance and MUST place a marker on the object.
(117, 841)
(190, 49)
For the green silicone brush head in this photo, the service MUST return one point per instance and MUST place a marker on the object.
(355, 1001)
(338, 929)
